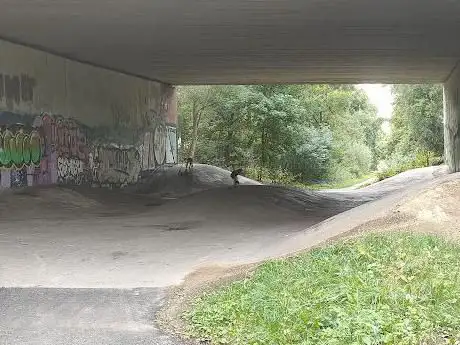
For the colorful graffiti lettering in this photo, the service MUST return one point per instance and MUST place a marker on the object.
(19, 149)
(65, 136)
(50, 149)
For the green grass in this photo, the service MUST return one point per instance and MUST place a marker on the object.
(380, 289)
(339, 184)
(422, 160)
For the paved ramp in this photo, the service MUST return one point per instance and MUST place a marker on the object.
(92, 266)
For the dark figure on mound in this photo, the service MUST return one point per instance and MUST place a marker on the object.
(188, 164)
(234, 176)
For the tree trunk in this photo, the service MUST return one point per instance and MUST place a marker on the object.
(196, 122)
(229, 145)
(262, 158)
(194, 140)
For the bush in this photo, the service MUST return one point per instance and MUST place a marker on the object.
(359, 159)
(351, 162)
(311, 157)
(272, 176)
(399, 163)
(340, 173)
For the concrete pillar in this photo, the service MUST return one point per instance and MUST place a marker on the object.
(452, 121)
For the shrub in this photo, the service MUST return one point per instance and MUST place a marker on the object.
(399, 163)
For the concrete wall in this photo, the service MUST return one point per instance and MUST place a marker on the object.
(452, 121)
(66, 122)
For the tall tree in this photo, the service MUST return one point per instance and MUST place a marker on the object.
(275, 116)
(417, 120)
(308, 131)
(193, 102)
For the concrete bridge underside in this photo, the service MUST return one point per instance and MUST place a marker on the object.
(247, 41)
(253, 41)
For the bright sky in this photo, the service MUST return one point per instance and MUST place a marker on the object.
(380, 96)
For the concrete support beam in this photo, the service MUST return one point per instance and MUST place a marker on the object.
(452, 121)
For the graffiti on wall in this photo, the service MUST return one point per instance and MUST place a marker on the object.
(49, 149)
(65, 136)
(159, 143)
(70, 171)
(154, 141)
(114, 165)
(64, 149)
(171, 145)
(40, 150)
(20, 153)
(19, 148)
(154, 148)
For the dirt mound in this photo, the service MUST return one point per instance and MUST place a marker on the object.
(59, 202)
(174, 181)
(216, 201)
(434, 210)
(39, 202)
(206, 194)
(257, 205)
(393, 184)
(437, 205)
(408, 177)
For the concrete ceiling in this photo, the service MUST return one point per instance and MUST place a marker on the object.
(247, 41)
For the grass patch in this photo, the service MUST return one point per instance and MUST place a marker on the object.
(421, 160)
(339, 184)
(284, 178)
(379, 289)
